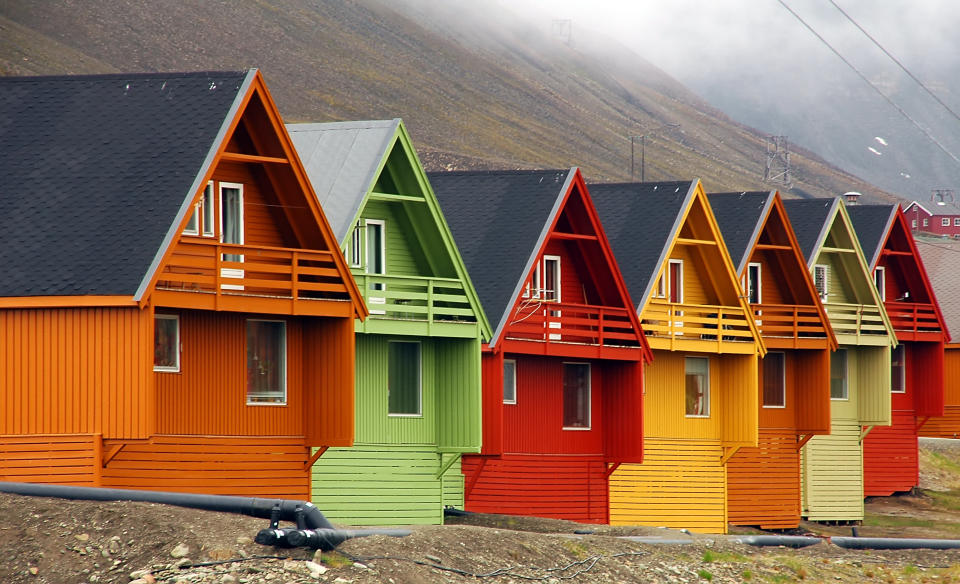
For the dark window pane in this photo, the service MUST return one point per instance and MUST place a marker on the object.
(576, 395)
(774, 390)
(266, 362)
(403, 383)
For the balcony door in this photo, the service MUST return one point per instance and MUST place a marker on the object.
(551, 292)
(376, 263)
(231, 230)
(675, 290)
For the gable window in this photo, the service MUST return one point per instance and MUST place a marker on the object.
(661, 289)
(509, 381)
(820, 273)
(376, 249)
(166, 342)
(945, 222)
(879, 278)
(231, 218)
(534, 282)
(551, 278)
(774, 381)
(403, 378)
(697, 391)
(752, 283)
(675, 283)
(838, 375)
(576, 396)
(356, 257)
(926, 222)
(191, 227)
(898, 370)
(266, 362)
(202, 215)
(913, 223)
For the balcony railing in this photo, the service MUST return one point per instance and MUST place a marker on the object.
(696, 322)
(913, 317)
(561, 322)
(788, 321)
(416, 298)
(222, 269)
(855, 319)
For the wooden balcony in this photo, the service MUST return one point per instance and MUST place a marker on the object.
(790, 326)
(914, 321)
(561, 328)
(246, 278)
(416, 305)
(694, 327)
(857, 323)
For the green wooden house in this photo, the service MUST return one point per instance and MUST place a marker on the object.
(832, 465)
(418, 383)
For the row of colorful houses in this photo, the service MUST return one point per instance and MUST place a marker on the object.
(197, 297)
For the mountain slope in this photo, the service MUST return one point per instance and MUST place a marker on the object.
(475, 90)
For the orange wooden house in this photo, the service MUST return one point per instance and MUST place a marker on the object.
(175, 313)
(794, 376)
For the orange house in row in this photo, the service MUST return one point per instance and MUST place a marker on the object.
(175, 313)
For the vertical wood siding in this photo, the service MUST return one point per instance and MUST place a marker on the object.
(890, 457)
(947, 425)
(764, 482)
(833, 474)
(873, 369)
(664, 402)
(328, 381)
(76, 371)
(562, 487)
(209, 394)
(458, 394)
(811, 377)
(493, 406)
(622, 401)
(926, 377)
(63, 459)
(571, 281)
(681, 484)
(399, 243)
(257, 466)
(738, 398)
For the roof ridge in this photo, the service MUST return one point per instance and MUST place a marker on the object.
(107, 76)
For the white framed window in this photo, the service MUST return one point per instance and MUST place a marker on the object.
(266, 362)
(376, 248)
(551, 278)
(774, 380)
(166, 343)
(956, 221)
(898, 370)
(660, 291)
(192, 228)
(697, 390)
(838, 375)
(675, 281)
(879, 278)
(509, 381)
(535, 281)
(207, 210)
(231, 217)
(913, 223)
(576, 396)
(356, 246)
(926, 222)
(752, 283)
(820, 276)
(404, 379)
(945, 222)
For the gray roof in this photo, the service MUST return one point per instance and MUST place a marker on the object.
(641, 220)
(941, 258)
(499, 219)
(97, 172)
(872, 224)
(342, 160)
(808, 218)
(740, 217)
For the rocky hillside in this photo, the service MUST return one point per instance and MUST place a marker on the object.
(475, 91)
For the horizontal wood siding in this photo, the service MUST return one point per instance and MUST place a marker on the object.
(562, 487)
(458, 394)
(945, 426)
(63, 459)
(77, 371)
(452, 484)
(890, 458)
(209, 393)
(681, 484)
(260, 466)
(764, 482)
(261, 221)
(832, 469)
(328, 381)
(379, 485)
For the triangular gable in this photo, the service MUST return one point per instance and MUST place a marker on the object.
(354, 163)
(254, 133)
(912, 203)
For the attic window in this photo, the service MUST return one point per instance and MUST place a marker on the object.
(820, 274)
(202, 214)
(879, 278)
(356, 246)
(752, 283)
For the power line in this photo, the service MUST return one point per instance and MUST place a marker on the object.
(870, 83)
(897, 61)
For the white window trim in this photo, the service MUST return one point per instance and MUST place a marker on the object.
(759, 281)
(239, 187)
(903, 370)
(956, 221)
(514, 400)
(195, 216)
(926, 222)
(419, 413)
(206, 201)
(176, 318)
(589, 397)
(879, 280)
(356, 246)
(285, 363)
(680, 278)
(661, 290)
(783, 382)
(543, 273)
(945, 222)
(846, 378)
(913, 223)
(709, 393)
(825, 294)
(383, 246)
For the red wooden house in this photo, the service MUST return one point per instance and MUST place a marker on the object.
(890, 457)
(563, 372)
(175, 312)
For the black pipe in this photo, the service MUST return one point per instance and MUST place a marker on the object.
(792, 541)
(894, 543)
(328, 539)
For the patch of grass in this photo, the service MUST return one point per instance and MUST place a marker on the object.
(939, 460)
(909, 570)
(335, 560)
(945, 499)
(578, 550)
(705, 575)
(714, 556)
(707, 556)
(746, 575)
(896, 521)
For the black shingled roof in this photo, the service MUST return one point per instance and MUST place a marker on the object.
(807, 217)
(497, 219)
(738, 216)
(95, 170)
(638, 219)
(871, 222)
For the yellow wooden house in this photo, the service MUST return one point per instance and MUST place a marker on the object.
(832, 465)
(701, 399)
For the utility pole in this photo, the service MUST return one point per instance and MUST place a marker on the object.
(643, 150)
